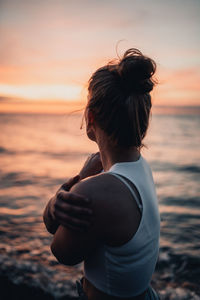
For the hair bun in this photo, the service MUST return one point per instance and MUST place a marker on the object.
(135, 71)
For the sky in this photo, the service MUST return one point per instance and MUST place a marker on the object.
(49, 49)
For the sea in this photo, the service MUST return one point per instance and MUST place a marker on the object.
(39, 152)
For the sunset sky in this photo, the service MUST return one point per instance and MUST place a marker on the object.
(48, 48)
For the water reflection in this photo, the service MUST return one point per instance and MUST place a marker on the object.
(38, 153)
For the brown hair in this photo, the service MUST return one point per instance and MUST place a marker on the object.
(120, 99)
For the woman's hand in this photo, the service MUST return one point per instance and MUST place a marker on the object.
(72, 210)
(92, 166)
(68, 209)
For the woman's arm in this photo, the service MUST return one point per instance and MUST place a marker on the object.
(69, 209)
(64, 208)
(72, 247)
(48, 217)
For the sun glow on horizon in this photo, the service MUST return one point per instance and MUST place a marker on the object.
(53, 58)
(42, 92)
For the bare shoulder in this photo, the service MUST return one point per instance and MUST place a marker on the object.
(115, 213)
(100, 190)
(95, 186)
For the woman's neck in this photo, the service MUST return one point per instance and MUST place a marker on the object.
(113, 155)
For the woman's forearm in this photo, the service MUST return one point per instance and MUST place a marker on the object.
(48, 217)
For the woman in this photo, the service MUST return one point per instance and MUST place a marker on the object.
(121, 247)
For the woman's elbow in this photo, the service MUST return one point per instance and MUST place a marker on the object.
(66, 259)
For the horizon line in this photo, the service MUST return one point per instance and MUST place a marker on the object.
(28, 101)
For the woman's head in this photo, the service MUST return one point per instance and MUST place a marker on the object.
(119, 98)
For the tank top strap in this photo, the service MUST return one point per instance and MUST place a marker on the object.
(133, 193)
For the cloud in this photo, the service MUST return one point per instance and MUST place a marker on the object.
(50, 92)
(180, 87)
(62, 42)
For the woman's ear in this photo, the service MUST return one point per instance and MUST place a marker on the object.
(90, 126)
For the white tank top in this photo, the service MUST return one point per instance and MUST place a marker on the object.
(126, 271)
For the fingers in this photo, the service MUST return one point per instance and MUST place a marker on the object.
(72, 198)
(72, 181)
(92, 166)
(97, 154)
(97, 158)
(72, 222)
(73, 209)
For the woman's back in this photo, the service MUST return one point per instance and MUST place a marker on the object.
(124, 262)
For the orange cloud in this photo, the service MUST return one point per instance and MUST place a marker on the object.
(178, 87)
(45, 107)
(59, 44)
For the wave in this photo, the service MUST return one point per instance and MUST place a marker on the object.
(33, 279)
(176, 277)
(4, 150)
(179, 273)
(189, 169)
(156, 165)
(165, 166)
(12, 179)
(45, 153)
(178, 201)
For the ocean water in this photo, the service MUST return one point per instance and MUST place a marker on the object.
(39, 152)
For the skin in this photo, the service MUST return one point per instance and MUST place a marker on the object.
(114, 221)
(70, 209)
